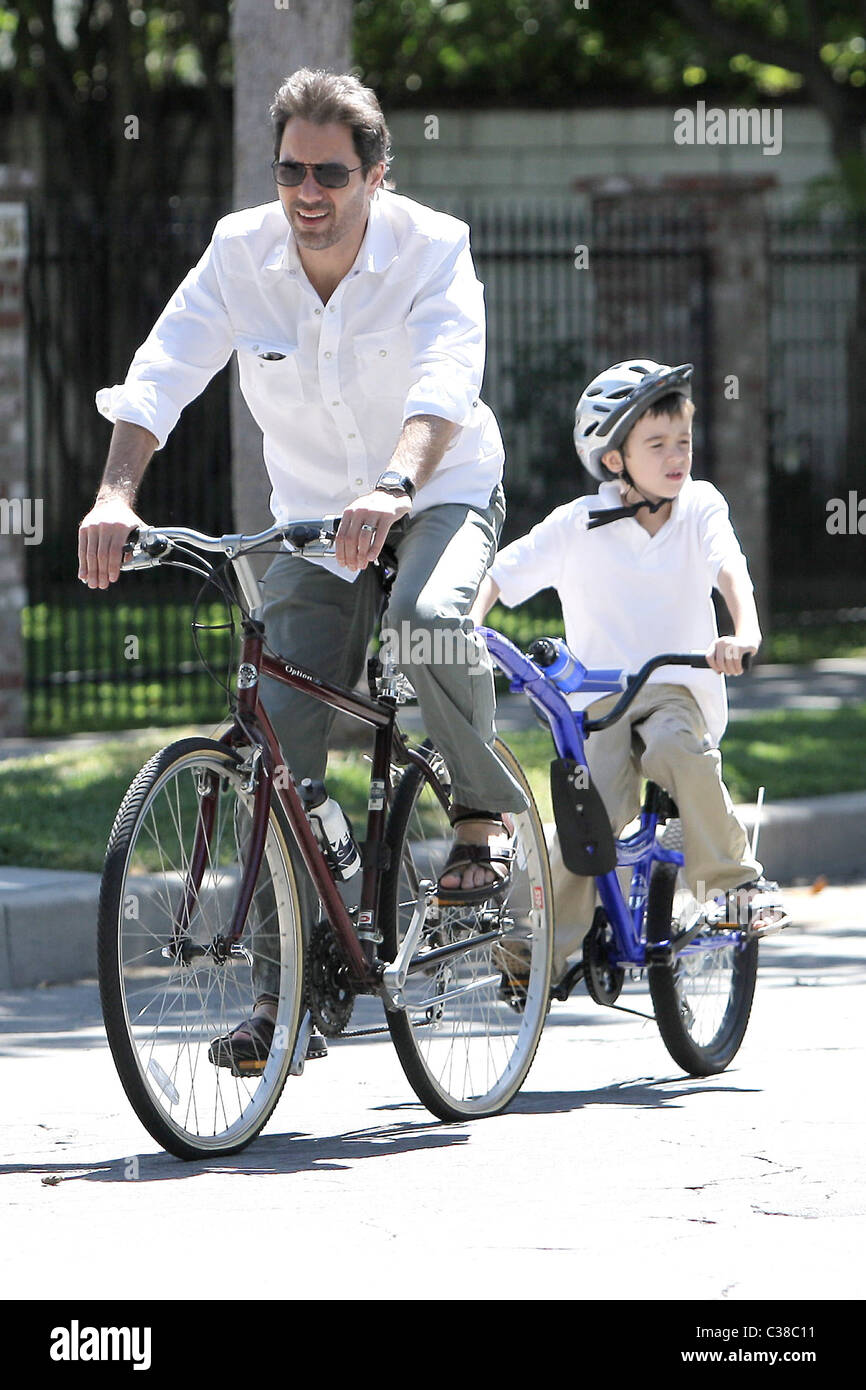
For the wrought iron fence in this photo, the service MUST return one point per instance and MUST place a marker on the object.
(817, 408)
(126, 657)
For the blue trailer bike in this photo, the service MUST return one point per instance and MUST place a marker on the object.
(701, 967)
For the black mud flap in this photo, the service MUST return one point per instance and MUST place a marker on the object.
(582, 823)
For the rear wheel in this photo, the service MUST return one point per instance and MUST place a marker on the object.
(703, 997)
(168, 987)
(474, 1012)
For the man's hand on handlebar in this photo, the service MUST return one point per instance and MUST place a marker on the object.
(101, 537)
(725, 655)
(365, 525)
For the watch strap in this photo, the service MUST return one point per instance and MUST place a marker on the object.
(392, 481)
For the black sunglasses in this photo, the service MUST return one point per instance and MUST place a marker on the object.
(291, 172)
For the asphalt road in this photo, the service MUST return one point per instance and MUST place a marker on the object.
(612, 1176)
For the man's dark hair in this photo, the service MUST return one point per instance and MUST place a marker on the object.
(324, 97)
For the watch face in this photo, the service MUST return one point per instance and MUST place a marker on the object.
(392, 482)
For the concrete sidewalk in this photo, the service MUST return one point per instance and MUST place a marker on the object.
(48, 918)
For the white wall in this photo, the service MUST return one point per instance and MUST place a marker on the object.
(539, 154)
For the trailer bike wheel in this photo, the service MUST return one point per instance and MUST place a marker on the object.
(703, 995)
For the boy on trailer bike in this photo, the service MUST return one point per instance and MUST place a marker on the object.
(634, 566)
(358, 322)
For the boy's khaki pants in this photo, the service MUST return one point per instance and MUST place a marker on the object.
(663, 737)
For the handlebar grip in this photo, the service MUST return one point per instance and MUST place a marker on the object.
(305, 532)
(701, 663)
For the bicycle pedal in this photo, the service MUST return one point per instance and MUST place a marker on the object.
(241, 1070)
(316, 1047)
(571, 978)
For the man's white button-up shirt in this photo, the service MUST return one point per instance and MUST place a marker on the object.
(330, 385)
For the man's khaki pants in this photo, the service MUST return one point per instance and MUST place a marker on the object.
(663, 737)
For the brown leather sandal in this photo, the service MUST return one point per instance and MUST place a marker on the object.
(463, 856)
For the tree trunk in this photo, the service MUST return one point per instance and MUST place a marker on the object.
(270, 41)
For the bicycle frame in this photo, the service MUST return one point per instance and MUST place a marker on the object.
(640, 850)
(269, 775)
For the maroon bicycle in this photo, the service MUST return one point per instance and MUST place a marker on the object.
(199, 909)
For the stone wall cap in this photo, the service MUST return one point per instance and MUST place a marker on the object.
(16, 182)
(710, 185)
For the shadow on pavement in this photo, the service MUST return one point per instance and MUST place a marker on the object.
(642, 1093)
(270, 1155)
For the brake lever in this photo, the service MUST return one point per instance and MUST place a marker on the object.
(142, 556)
(313, 540)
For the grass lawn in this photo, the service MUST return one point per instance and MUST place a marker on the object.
(56, 810)
(78, 658)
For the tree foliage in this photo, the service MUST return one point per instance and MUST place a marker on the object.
(102, 75)
(571, 52)
(561, 53)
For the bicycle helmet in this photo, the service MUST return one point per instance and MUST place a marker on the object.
(612, 402)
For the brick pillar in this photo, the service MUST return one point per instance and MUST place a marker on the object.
(20, 521)
(681, 274)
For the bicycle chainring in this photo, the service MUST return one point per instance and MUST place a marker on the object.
(603, 980)
(330, 996)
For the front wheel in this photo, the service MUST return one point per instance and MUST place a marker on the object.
(169, 989)
(473, 1012)
(703, 998)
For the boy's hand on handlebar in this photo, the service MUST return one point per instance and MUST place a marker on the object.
(101, 537)
(365, 525)
(725, 655)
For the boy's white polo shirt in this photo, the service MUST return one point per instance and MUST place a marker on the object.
(626, 595)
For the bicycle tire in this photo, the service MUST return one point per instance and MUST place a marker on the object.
(467, 1054)
(162, 1015)
(703, 999)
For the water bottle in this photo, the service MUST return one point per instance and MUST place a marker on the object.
(558, 662)
(331, 828)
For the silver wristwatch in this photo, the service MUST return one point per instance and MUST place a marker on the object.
(392, 481)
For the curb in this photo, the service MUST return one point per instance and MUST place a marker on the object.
(48, 918)
(47, 927)
(821, 836)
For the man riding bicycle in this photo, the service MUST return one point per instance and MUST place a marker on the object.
(358, 322)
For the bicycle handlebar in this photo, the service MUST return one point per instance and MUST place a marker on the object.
(634, 683)
(147, 546)
(526, 674)
(150, 546)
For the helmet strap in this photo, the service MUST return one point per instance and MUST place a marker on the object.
(609, 514)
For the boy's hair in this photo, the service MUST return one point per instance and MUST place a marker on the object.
(671, 405)
(325, 97)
